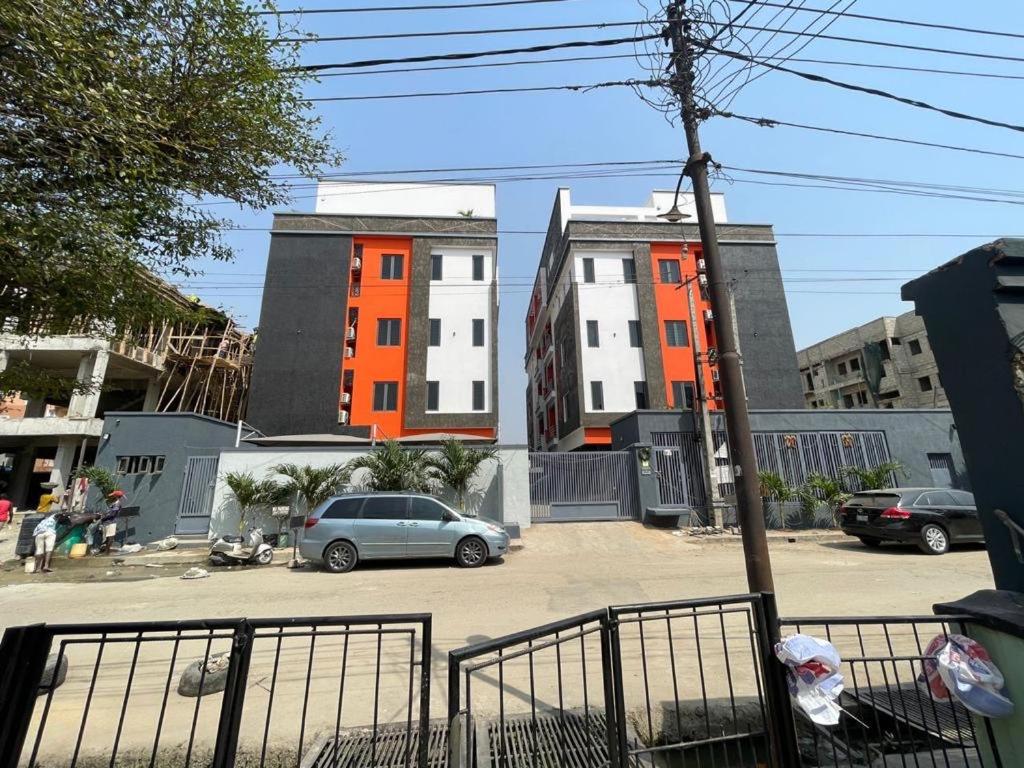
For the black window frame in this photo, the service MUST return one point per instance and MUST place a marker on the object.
(433, 393)
(397, 263)
(593, 334)
(854, 364)
(922, 381)
(688, 391)
(841, 368)
(956, 493)
(385, 388)
(389, 331)
(479, 395)
(914, 345)
(640, 395)
(597, 395)
(629, 271)
(478, 267)
(589, 276)
(669, 268)
(479, 332)
(671, 337)
(433, 332)
(848, 401)
(377, 500)
(436, 266)
(636, 333)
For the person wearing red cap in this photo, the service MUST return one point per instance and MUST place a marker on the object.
(109, 519)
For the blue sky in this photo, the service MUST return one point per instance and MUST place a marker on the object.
(612, 124)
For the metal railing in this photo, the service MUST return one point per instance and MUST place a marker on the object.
(269, 692)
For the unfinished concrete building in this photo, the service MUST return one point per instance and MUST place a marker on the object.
(887, 363)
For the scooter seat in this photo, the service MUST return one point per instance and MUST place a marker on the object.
(231, 539)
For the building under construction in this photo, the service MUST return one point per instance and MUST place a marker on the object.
(199, 362)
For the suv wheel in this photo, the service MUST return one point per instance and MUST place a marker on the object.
(934, 540)
(471, 553)
(340, 557)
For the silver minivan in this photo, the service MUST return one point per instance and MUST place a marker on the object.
(368, 526)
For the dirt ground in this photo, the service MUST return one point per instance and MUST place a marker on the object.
(562, 570)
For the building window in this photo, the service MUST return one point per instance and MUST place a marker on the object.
(675, 333)
(810, 381)
(433, 395)
(435, 332)
(895, 341)
(596, 396)
(862, 397)
(891, 395)
(883, 350)
(389, 332)
(391, 266)
(478, 332)
(848, 401)
(478, 396)
(914, 346)
(841, 369)
(478, 267)
(385, 395)
(436, 266)
(640, 393)
(925, 383)
(588, 271)
(593, 339)
(854, 364)
(683, 395)
(634, 334)
(814, 404)
(140, 465)
(668, 269)
(628, 271)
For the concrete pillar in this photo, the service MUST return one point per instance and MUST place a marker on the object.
(92, 370)
(19, 489)
(152, 400)
(63, 462)
(35, 409)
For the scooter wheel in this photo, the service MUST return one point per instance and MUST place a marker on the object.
(264, 558)
(218, 559)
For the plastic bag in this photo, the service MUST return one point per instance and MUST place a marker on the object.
(815, 682)
(960, 668)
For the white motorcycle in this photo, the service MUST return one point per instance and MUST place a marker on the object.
(239, 550)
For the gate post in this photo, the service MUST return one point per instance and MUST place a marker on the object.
(23, 654)
(780, 726)
(234, 696)
(647, 491)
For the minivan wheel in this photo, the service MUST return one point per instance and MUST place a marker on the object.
(340, 557)
(934, 540)
(471, 553)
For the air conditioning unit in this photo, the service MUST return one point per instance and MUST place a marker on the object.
(346, 398)
(701, 265)
(715, 376)
(350, 333)
(343, 417)
(349, 352)
(357, 263)
(702, 280)
(709, 315)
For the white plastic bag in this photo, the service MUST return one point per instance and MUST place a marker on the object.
(815, 682)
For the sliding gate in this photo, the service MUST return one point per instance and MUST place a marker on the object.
(583, 485)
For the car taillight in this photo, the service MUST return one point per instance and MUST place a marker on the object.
(896, 513)
(842, 509)
(310, 522)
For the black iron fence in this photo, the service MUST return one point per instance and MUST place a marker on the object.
(281, 692)
(674, 684)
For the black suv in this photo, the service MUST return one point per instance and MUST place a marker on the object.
(932, 518)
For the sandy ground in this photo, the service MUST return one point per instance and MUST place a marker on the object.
(562, 571)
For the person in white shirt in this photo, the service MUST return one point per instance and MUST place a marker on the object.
(45, 534)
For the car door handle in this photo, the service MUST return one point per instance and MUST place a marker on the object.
(412, 525)
(400, 525)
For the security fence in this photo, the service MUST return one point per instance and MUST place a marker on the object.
(583, 485)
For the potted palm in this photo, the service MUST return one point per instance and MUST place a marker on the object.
(455, 465)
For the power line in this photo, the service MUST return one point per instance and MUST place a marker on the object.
(870, 91)
(481, 91)
(474, 54)
(896, 68)
(768, 122)
(905, 22)
(387, 8)
(522, 62)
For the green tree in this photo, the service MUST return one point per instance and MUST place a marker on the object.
(455, 465)
(119, 117)
(100, 478)
(251, 494)
(313, 485)
(394, 468)
(776, 492)
(820, 490)
(880, 476)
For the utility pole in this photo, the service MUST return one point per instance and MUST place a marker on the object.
(737, 419)
(712, 496)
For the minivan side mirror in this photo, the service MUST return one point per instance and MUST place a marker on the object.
(449, 517)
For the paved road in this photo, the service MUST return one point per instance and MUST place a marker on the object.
(563, 570)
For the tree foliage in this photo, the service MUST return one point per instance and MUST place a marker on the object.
(251, 494)
(313, 485)
(880, 476)
(455, 465)
(100, 478)
(117, 118)
(394, 468)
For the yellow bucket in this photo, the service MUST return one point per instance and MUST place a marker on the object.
(78, 550)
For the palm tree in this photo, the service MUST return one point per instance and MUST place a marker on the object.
(455, 466)
(877, 477)
(314, 485)
(393, 468)
(824, 491)
(776, 491)
(250, 494)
